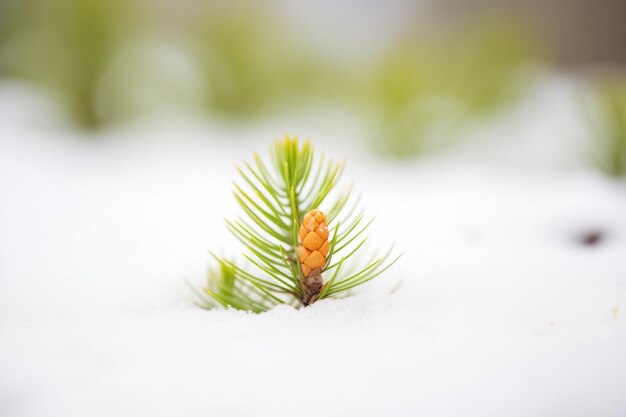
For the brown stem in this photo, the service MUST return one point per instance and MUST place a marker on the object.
(311, 286)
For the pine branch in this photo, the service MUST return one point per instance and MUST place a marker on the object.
(287, 239)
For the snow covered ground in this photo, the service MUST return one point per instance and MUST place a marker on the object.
(496, 309)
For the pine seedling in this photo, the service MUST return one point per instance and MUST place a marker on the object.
(301, 245)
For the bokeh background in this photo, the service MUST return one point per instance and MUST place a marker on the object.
(411, 72)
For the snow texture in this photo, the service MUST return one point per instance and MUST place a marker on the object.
(498, 307)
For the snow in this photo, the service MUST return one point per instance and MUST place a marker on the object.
(496, 308)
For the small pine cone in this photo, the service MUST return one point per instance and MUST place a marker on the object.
(313, 242)
(313, 250)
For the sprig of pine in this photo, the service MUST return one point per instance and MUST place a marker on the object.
(274, 199)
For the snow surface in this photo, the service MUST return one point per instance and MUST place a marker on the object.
(496, 308)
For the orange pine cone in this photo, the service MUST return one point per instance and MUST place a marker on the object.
(314, 244)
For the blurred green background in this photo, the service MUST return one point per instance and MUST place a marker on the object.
(415, 71)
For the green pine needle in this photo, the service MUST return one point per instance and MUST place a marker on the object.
(274, 199)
